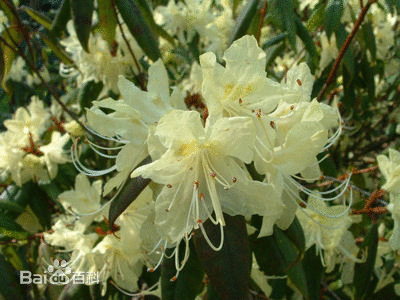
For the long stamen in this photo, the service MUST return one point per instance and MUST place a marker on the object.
(221, 243)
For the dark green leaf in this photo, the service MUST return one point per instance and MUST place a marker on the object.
(107, 21)
(62, 18)
(333, 13)
(9, 10)
(393, 4)
(292, 257)
(348, 59)
(89, 92)
(57, 49)
(289, 24)
(9, 228)
(305, 36)
(190, 280)
(11, 206)
(129, 192)
(10, 287)
(229, 268)
(275, 40)
(2, 63)
(41, 207)
(363, 272)
(369, 38)
(38, 17)
(243, 21)
(314, 272)
(138, 27)
(148, 16)
(82, 11)
(368, 75)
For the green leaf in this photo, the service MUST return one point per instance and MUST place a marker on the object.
(9, 9)
(289, 24)
(304, 35)
(363, 272)
(10, 287)
(40, 205)
(275, 40)
(333, 13)
(107, 21)
(314, 272)
(369, 38)
(243, 21)
(89, 92)
(10, 206)
(348, 59)
(82, 11)
(294, 267)
(38, 17)
(129, 192)
(317, 18)
(367, 72)
(61, 19)
(138, 27)
(57, 49)
(190, 280)
(148, 16)
(2, 63)
(11, 35)
(9, 228)
(229, 268)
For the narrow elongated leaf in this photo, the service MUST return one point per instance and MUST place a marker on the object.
(363, 272)
(129, 192)
(229, 268)
(9, 228)
(369, 38)
(89, 92)
(38, 17)
(348, 59)
(294, 267)
(287, 12)
(243, 21)
(8, 9)
(2, 63)
(82, 11)
(148, 16)
(304, 35)
(61, 19)
(139, 28)
(189, 282)
(57, 49)
(317, 18)
(107, 21)
(314, 271)
(14, 38)
(275, 40)
(333, 13)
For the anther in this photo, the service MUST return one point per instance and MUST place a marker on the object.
(291, 107)
(150, 270)
(272, 124)
(240, 101)
(234, 179)
(173, 279)
(299, 82)
(167, 209)
(202, 197)
(213, 174)
(169, 185)
(196, 183)
(199, 221)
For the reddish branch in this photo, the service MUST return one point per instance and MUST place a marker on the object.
(344, 48)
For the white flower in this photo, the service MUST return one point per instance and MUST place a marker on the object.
(24, 154)
(85, 198)
(101, 63)
(131, 119)
(202, 170)
(390, 168)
